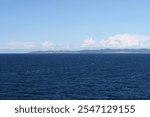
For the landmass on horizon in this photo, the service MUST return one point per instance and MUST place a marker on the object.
(95, 51)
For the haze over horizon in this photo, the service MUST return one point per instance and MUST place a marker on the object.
(32, 25)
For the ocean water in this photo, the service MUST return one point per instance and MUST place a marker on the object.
(74, 76)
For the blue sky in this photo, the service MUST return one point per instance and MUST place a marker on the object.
(27, 25)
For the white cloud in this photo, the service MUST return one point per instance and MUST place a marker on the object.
(47, 45)
(67, 47)
(125, 41)
(17, 45)
(89, 42)
(119, 41)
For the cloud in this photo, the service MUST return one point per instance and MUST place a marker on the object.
(47, 45)
(121, 41)
(89, 42)
(64, 47)
(67, 47)
(17, 45)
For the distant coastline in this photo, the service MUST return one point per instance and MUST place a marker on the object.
(99, 51)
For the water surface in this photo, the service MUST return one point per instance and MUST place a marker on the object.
(74, 76)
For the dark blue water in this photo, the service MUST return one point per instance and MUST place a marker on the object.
(75, 76)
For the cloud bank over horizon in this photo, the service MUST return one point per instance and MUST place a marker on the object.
(47, 45)
(89, 42)
(16, 45)
(118, 41)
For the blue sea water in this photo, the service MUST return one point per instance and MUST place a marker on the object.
(74, 76)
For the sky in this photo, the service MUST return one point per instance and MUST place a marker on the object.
(30, 25)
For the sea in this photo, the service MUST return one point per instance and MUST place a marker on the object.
(74, 76)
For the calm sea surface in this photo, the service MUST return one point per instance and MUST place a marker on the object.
(74, 76)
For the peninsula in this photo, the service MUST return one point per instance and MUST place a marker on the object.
(99, 51)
